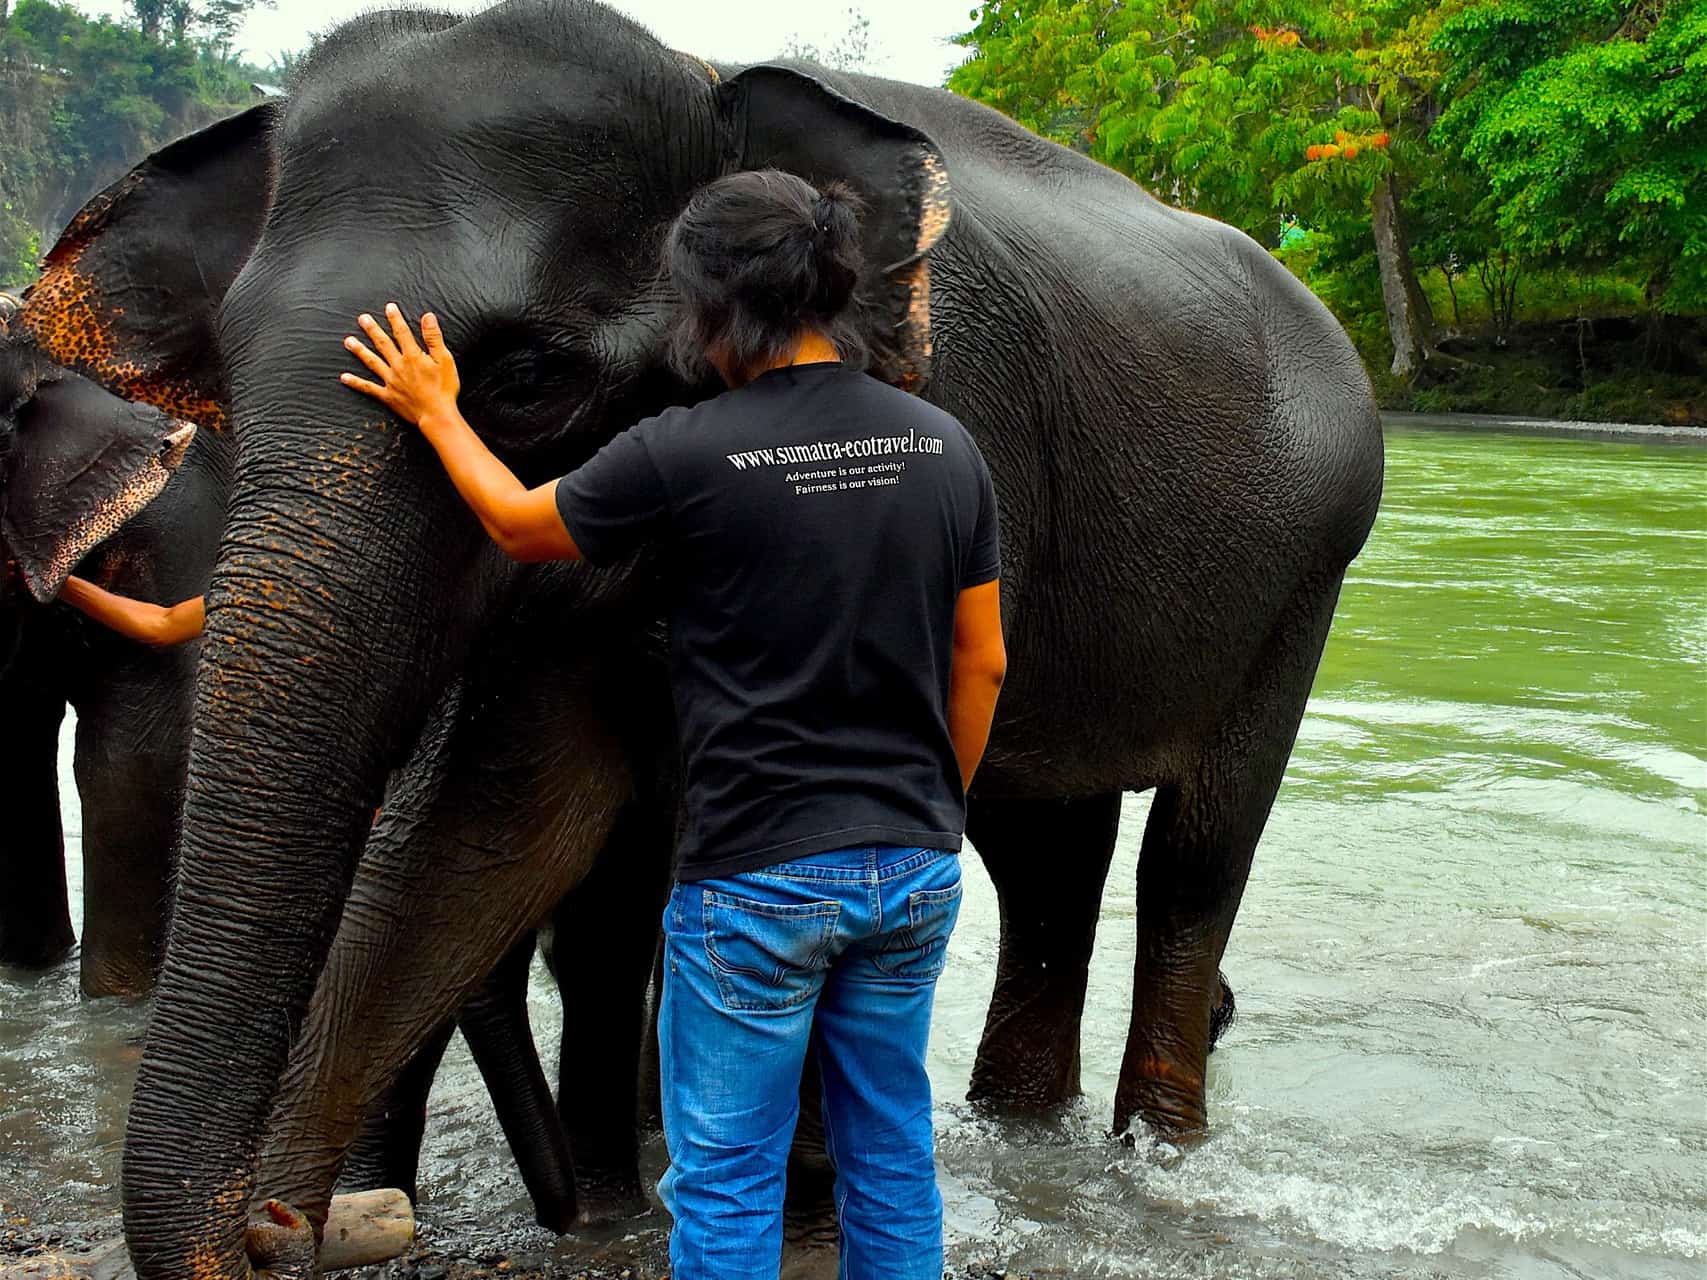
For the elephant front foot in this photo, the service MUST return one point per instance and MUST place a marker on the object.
(29, 946)
(603, 1203)
(1028, 1062)
(280, 1243)
(1166, 1098)
(101, 976)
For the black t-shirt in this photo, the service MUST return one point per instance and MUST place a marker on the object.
(819, 526)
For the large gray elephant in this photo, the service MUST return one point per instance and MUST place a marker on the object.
(84, 461)
(1182, 439)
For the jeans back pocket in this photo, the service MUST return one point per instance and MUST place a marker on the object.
(767, 956)
(919, 949)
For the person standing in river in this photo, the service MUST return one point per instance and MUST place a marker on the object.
(836, 653)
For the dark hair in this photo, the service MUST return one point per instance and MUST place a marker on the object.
(755, 258)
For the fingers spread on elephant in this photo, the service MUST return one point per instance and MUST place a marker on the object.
(400, 327)
(359, 349)
(381, 340)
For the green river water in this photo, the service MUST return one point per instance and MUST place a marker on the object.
(1471, 964)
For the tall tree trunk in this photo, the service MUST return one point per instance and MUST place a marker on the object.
(148, 15)
(1409, 319)
(5, 8)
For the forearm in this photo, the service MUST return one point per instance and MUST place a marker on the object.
(972, 693)
(523, 522)
(135, 619)
(490, 488)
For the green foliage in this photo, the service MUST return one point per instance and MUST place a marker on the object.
(1587, 119)
(82, 99)
(1256, 112)
(1531, 143)
(1217, 104)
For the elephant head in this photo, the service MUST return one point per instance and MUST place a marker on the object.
(76, 462)
(102, 386)
(515, 171)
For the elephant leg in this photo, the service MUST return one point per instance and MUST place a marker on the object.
(132, 754)
(35, 916)
(1048, 859)
(459, 866)
(495, 1023)
(387, 1151)
(604, 939)
(1198, 844)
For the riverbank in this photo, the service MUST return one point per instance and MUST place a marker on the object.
(1639, 432)
(1607, 369)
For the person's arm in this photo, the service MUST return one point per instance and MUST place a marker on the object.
(150, 623)
(975, 673)
(421, 387)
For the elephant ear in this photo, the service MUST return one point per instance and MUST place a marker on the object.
(129, 294)
(785, 120)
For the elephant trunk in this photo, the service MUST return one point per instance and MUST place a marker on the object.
(328, 631)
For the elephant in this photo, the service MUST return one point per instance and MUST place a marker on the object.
(133, 733)
(1183, 442)
(132, 744)
(132, 750)
(76, 464)
(133, 705)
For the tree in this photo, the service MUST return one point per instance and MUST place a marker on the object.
(1588, 121)
(220, 20)
(1248, 110)
(216, 21)
(149, 14)
(850, 52)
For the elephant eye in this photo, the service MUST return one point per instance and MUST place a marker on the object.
(516, 380)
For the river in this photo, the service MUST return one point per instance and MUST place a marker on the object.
(1471, 964)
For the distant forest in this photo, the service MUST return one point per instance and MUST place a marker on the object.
(82, 99)
(1505, 201)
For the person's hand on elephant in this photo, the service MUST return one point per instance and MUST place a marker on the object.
(420, 386)
(418, 383)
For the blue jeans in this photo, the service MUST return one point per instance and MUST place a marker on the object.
(854, 939)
